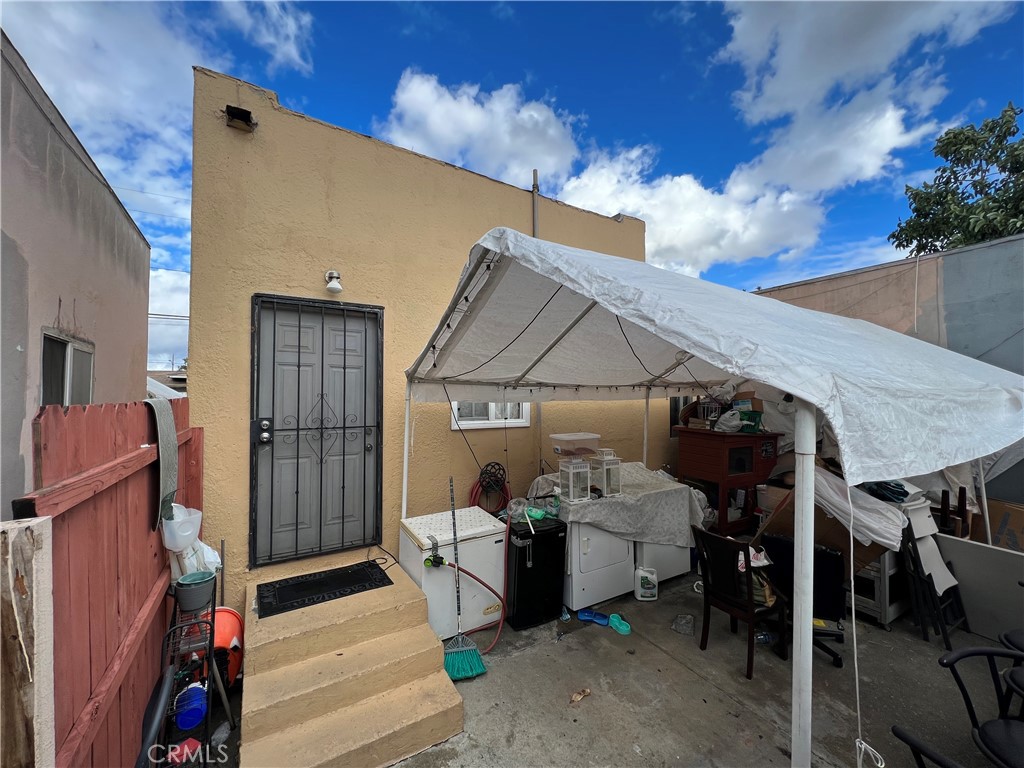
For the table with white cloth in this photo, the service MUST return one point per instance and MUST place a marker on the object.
(651, 508)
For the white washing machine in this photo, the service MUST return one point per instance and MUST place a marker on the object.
(598, 566)
(668, 560)
(481, 550)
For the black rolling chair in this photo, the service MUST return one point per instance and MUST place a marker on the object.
(729, 590)
(829, 602)
(920, 750)
(1001, 739)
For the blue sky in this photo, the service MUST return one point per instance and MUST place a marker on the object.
(762, 142)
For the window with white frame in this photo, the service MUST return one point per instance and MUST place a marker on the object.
(467, 414)
(67, 370)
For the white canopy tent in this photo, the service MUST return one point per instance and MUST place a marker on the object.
(536, 321)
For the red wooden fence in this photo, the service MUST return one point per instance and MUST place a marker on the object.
(96, 471)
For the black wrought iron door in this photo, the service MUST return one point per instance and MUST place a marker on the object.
(316, 428)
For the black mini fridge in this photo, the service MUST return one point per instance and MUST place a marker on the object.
(536, 568)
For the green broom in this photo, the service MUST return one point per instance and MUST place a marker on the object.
(461, 657)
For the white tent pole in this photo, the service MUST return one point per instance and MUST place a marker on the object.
(405, 452)
(984, 503)
(803, 584)
(647, 419)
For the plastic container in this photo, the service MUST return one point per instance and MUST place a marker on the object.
(181, 532)
(195, 591)
(228, 643)
(575, 443)
(645, 584)
(190, 707)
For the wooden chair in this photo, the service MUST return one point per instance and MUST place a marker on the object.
(729, 590)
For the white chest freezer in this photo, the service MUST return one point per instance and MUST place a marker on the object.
(599, 566)
(481, 550)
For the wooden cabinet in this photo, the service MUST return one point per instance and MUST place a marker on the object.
(732, 461)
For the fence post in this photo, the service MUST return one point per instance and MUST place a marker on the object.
(26, 616)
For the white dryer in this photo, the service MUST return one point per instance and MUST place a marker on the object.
(598, 566)
(666, 559)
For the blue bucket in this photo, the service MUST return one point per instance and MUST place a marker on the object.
(191, 707)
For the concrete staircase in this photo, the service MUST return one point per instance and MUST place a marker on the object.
(358, 681)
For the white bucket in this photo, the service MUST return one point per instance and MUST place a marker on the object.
(645, 583)
(181, 532)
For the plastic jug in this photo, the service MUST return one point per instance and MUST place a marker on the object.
(645, 583)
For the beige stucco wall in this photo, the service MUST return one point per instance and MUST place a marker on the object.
(272, 211)
(73, 260)
(883, 295)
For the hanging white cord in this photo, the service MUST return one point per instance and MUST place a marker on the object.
(862, 746)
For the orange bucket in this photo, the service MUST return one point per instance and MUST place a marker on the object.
(228, 643)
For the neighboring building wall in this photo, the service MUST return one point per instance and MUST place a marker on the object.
(273, 211)
(73, 260)
(969, 300)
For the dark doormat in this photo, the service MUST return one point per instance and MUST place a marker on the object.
(311, 588)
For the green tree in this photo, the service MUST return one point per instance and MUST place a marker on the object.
(977, 195)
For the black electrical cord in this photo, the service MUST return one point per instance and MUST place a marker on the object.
(623, 331)
(462, 432)
(518, 335)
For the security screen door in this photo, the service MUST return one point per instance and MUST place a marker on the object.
(315, 431)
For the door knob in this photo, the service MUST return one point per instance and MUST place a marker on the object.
(264, 437)
(369, 447)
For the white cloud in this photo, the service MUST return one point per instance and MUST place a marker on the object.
(278, 28)
(691, 227)
(499, 134)
(830, 148)
(168, 337)
(826, 77)
(503, 11)
(795, 55)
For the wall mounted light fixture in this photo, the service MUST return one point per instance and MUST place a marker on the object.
(333, 280)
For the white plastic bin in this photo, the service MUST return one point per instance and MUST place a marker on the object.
(575, 443)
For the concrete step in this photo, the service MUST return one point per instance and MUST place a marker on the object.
(281, 698)
(377, 731)
(278, 641)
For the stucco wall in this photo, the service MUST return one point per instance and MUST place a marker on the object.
(73, 260)
(970, 300)
(272, 211)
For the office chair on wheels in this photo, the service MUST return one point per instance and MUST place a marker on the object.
(829, 591)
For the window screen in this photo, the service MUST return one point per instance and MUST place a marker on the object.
(81, 377)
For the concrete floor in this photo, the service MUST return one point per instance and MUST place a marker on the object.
(657, 699)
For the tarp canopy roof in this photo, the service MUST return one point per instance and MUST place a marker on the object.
(536, 321)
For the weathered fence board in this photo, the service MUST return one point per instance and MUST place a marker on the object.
(96, 474)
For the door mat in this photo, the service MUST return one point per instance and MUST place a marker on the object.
(284, 595)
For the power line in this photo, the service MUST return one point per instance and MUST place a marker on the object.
(165, 215)
(163, 316)
(154, 194)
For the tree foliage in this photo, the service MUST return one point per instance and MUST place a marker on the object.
(977, 195)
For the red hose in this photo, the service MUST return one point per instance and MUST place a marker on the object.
(504, 587)
(476, 492)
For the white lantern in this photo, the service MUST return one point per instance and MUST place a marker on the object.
(574, 480)
(605, 470)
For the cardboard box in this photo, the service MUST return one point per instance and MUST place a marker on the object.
(828, 532)
(1007, 521)
(748, 403)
